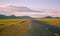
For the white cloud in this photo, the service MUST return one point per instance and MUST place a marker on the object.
(13, 11)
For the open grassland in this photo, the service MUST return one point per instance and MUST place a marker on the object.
(51, 21)
(14, 27)
(29, 27)
(7, 23)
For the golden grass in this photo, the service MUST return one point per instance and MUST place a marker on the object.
(51, 21)
(14, 27)
(7, 23)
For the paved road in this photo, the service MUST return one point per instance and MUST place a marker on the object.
(43, 29)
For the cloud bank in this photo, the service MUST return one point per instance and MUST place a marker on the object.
(24, 11)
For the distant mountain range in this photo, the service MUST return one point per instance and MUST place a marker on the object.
(13, 17)
(21, 17)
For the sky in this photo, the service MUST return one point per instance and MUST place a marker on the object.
(51, 7)
(33, 4)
